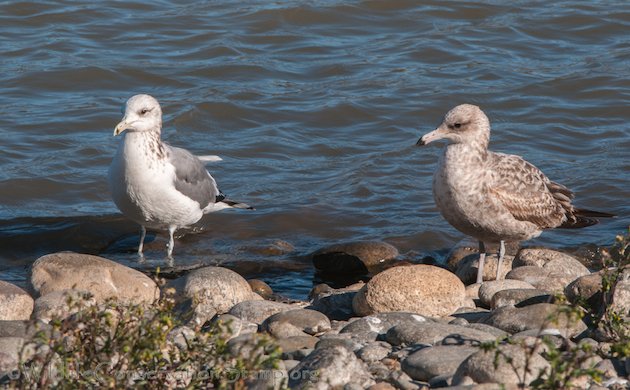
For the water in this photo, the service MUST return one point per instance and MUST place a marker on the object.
(315, 107)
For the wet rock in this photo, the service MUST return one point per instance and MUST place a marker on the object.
(379, 324)
(261, 288)
(551, 260)
(274, 248)
(354, 258)
(467, 268)
(335, 303)
(428, 333)
(327, 368)
(61, 304)
(374, 351)
(485, 367)
(258, 311)
(489, 288)
(431, 362)
(215, 290)
(537, 316)
(422, 289)
(521, 297)
(101, 277)
(541, 278)
(15, 303)
(288, 323)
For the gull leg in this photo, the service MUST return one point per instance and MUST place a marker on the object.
(143, 234)
(482, 259)
(171, 242)
(500, 261)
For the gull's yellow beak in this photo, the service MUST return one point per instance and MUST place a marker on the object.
(122, 126)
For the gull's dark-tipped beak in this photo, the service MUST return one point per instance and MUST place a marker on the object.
(122, 126)
(430, 137)
(420, 142)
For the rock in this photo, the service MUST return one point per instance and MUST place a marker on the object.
(472, 314)
(496, 332)
(215, 290)
(428, 333)
(551, 260)
(379, 324)
(101, 277)
(274, 248)
(258, 311)
(430, 362)
(336, 303)
(302, 320)
(521, 297)
(234, 326)
(537, 316)
(381, 386)
(541, 278)
(327, 368)
(468, 267)
(181, 336)
(354, 258)
(61, 304)
(585, 288)
(22, 328)
(422, 289)
(621, 295)
(15, 303)
(10, 348)
(489, 288)
(261, 288)
(485, 367)
(291, 344)
(374, 351)
(346, 341)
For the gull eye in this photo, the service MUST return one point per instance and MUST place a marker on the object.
(457, 125)
(144, 111)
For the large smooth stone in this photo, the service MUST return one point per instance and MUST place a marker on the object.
(101, 277)
(434, 361)
(215, 290)
(535, 317)
(422, 289)
(308, 321)
(485, 367)
(435, 333)
(358, 257)
(15, 303)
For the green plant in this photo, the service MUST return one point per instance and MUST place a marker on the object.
(116, 345)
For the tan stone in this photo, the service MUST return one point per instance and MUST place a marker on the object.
(15, 303)
(101, 277)
(422, 289)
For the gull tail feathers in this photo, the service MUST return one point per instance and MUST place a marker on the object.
(580, 218)
(236, 205)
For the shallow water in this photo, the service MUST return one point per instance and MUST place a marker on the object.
(315, 107)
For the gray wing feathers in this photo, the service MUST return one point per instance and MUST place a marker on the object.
(527, 193)
(191, 177)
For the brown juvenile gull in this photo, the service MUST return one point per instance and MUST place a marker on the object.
(495, 197)
(157, 185)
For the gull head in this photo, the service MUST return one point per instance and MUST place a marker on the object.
(142, 113)
(465, 123)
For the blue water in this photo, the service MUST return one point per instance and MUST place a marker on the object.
(315, 108)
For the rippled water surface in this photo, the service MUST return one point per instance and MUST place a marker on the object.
(315, 107)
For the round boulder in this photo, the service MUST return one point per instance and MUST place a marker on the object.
(422, 289)
(354, 258)
(15, 303)
(101, 277)
(216, 290)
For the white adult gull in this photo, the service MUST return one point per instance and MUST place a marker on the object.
(495, 197)
(157, 185)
